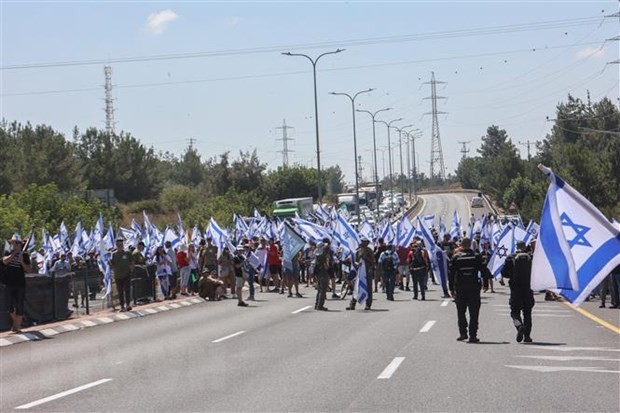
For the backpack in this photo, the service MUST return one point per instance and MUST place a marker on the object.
(521, 270)
(418, 258)
(388, 262)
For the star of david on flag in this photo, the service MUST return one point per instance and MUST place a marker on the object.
(577, 246)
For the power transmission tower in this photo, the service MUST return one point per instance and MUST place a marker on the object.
(528, 144)
(285, 150)
(437, 170)
(109, 101)
(191, 142)
(464, 150)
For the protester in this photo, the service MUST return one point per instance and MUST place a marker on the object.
(238, 262)
(16, 265)
(163, 271)
(518, 270)
(465, 286)
(122, 268)
(365, 254)
(321, 266)
(418, 264)
(389, 264)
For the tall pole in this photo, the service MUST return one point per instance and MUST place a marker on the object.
(357, 181)
(400, 151)
(413, 137)
(316, 115)
(374, 148)
(389, 124)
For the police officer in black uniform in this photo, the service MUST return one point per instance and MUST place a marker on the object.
(518, 269)
(465, 286)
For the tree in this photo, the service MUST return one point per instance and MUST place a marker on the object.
(191, 171)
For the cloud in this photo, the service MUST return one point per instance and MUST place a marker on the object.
(232, 21)
(591, 52)
(157, 23)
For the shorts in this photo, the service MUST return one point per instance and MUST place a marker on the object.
(403, 269)
(185, 272)
(274, 269)
(15, 295)
(239, 281)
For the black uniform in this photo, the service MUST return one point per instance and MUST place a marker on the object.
(518, 269)
(463, 279)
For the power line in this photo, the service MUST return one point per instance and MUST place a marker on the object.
(481, 31)
(268, 75)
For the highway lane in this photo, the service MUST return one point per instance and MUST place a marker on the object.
(321, 361)
(444, 205)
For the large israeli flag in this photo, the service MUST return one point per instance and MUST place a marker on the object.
(577, 247)
(360, 288)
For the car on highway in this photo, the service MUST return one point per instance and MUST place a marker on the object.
(477, 202)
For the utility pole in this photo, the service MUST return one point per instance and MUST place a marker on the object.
(437, 170)
(527, 144)
(361, 170)
(191, 142)
(285, 150)
(464, 150)
(109, 100)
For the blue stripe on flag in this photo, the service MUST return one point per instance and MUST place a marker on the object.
(553, 251)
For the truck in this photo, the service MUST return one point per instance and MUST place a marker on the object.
(286, 208)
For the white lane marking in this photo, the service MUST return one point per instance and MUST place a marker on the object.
(163, 308)
(301, 309)
(219, 340)
(88, 323)
(468, 206)
(71, 327)
(122, 316)
(185, 303)
(543, 315)
(569, 358)
(565, 348)
(550, 369)
(391, 368)
(445, 303)
(175, 305)
(105, 320)
(427, 326)
(150, 311)
(63, 394)
(49, 332)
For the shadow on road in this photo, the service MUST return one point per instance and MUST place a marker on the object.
(493, 342)
(541, 343)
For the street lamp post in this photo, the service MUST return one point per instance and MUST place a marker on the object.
(374, 148)
(316, 114)
(413, 137)
(357, 184)
(400, 151)
(389, 124)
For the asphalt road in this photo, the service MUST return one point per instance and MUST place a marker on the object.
(279, 355)
(444, 205)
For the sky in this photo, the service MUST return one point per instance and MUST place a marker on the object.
(225, 84)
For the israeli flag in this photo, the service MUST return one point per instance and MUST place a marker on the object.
(346, 235)
(360, 288)
(505, 247)
(455, 229)
(429, 221)
(292, 243)
(577, 246)
(366, 230)
(532, 231)
(442, 228)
